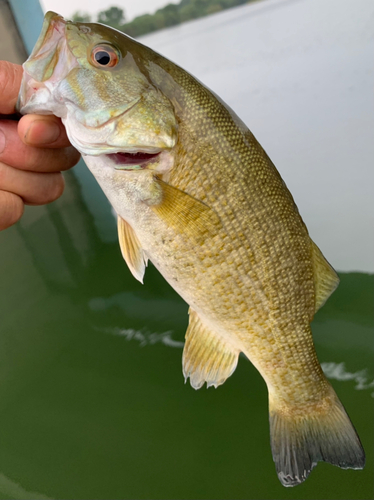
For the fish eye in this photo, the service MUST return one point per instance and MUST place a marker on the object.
(104, 56)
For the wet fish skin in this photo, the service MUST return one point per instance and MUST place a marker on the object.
(214, 216)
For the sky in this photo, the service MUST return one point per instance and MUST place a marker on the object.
(132, 8)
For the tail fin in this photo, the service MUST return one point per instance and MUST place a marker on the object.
(299, 441)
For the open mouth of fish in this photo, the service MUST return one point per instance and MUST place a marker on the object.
(133, 161)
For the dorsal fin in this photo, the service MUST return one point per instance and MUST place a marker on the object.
(186, 214)
(206, 357)
(325, 278)
(131, 249)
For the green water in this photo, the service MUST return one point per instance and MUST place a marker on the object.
(93, 403)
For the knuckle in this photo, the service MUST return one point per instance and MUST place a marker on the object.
(2, 175)
(75, 156)
(69, 157)
(57, 187)
(34, 159)
(51, 160)
(11, 209)
(5, 176)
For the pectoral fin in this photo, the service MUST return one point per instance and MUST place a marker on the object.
(186, 214)
(325, 278)
(131, 249)
(206, 357)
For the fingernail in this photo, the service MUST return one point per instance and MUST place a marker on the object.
(2, 141)
(42, 132)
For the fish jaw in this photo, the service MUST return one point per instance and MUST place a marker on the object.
(48, 65)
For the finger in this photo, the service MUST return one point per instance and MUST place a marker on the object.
(34, 188)
(11, 209)
(10, 82)
(43, 131)
(17, 154)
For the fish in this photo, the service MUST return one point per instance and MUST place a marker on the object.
(197, 195)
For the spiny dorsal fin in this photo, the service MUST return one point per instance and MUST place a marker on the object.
(206, 357)
(186, 214)
(325, 278)
(131, 249)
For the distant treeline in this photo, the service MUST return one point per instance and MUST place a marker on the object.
(170, 15)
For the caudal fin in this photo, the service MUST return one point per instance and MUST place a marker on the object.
(299, 441)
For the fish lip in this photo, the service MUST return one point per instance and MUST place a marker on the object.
(134, 160)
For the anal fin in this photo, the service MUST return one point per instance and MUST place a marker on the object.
(206, 357)
(131, 249)
(325, 278)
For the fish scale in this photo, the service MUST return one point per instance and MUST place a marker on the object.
(208, 208)
(251, 157)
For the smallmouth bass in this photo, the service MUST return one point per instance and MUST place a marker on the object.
(197, 195)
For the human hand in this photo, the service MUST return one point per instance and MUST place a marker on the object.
(33, 152)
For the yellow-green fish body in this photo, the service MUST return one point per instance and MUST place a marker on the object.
(197, 195)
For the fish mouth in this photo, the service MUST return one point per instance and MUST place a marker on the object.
(49, 63)
(133, 161)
